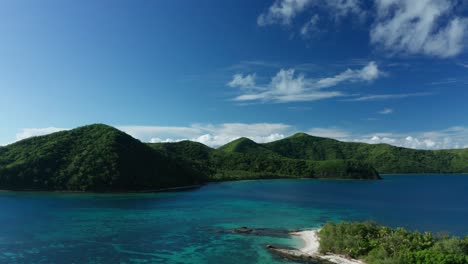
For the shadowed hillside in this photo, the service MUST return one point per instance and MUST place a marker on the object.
(102, 158)
(90, 158)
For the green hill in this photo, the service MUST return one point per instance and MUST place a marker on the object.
(102, 158)
(90, 158)
(247, 146)
(245, 159)
(383, 157)
(186, 149)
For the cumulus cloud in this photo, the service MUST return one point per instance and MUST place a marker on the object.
(449, 138)
(215, 135)
(386, 111)
(287, 86)
(32, 132)
(419, 27)
(209, 134)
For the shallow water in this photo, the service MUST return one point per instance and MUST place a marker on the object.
(186, 227)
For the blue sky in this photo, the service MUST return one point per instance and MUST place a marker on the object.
(391, 71)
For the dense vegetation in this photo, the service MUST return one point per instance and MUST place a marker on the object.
(102, 158)
(90, 158)
(245, 159)
(384, 245)
(383, 157)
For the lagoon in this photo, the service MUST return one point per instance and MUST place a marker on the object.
(190, 226)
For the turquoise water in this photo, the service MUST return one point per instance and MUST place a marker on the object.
(189, 227)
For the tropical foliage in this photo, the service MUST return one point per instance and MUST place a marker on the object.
(245, 159)
(102, 158)
(384, 245)
(90, 158)
(383, 157)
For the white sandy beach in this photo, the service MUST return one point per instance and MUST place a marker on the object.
(311, 248)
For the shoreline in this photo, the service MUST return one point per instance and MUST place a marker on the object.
(191, 187)
(169, 189)
(312, 244)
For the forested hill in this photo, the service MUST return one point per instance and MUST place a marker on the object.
(102, 158)
(319, 152)
(245, 159)
(90, 158)
(383, 157)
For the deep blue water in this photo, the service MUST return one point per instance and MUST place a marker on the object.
(183, 227)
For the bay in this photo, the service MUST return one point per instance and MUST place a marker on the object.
(193, 226)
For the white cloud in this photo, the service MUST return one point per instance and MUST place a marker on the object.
(386, 111)
(32, 132)
(287, 86)
(335, 133)
(419, 27)
(217, 135)
(369, 72)
(239, 80)
(167, 140)
(310, 26)
(449, 138)
(220, 134)
(209, 134)
(146, 133)
(282, 12)
(428, 27)
(343, 8)
(379, 97)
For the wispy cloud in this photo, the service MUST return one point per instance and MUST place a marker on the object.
(428, 27)
(241, 81)
(446, 81)
(287, 86)
(248, 65)
(380, 97)
(310, 26)
(284, 11)
(416, 27)
(368, 73)
(386, 111)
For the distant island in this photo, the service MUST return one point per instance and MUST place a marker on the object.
(102, 158)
